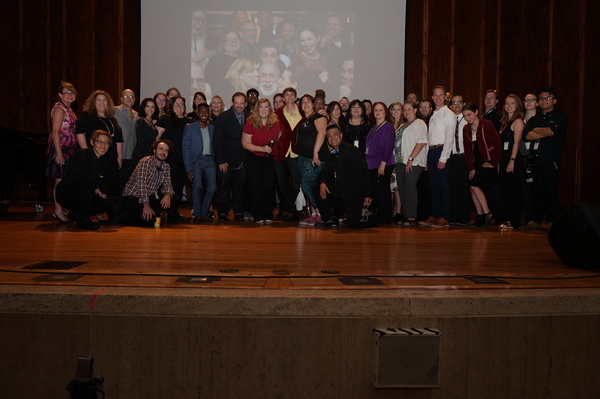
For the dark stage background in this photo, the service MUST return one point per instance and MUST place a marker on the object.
(469, 46)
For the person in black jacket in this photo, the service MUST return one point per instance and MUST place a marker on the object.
(344, 184)
(83, 189)
(230, 157)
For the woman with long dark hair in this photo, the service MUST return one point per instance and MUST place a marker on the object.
(145, 131)
(482, 152)
(312, 153)
(171, 127)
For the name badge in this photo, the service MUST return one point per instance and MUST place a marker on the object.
(506, 145)
(356, 143)
(536, 145)
(527, 145)
(366, 150)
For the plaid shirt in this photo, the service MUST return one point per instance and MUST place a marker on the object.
(147, 178)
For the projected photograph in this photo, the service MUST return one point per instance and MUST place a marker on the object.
(237, 50)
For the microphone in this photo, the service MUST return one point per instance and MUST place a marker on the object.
(271, 144)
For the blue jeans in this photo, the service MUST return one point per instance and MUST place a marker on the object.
(438, 183)
(205, 176)
(309, 175)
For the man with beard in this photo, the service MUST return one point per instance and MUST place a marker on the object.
(149, 191)
(268, 75)
(288, 41)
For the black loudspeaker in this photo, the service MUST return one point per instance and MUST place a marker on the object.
(575, 235)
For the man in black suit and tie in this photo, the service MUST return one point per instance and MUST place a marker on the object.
(344, 184)
(230, 158)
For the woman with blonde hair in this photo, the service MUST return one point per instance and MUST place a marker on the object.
(216, 108)
(242, 74)
(261, 131)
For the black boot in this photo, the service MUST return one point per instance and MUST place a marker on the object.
(479, 221)
(487, 219)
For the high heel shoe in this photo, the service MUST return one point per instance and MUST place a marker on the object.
(61, 221)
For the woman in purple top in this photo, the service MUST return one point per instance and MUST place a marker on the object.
(381, 161)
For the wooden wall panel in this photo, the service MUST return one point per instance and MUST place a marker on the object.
(566, 39)
(466, 45)
(439, 46)
(589, 145)
(33, 70)
(414, 49)
(10, 42)
(468, 52)
(488, 72)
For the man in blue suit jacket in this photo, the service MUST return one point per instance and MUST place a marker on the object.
(198, 153)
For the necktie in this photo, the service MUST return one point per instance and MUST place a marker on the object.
(240, 119)
(458, 119)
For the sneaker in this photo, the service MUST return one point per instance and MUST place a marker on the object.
(428, 222)
(441, 222)
(267, 221)
(311, 220)
(260, 221)
(505, 226)
(462, 222)
(531, 225)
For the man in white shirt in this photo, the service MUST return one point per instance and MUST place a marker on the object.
(458, 173)
(442, 125)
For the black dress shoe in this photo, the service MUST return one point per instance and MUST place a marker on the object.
(87, 224)
(222, 217)
(332, 222)
(238, 217)
(177, 217)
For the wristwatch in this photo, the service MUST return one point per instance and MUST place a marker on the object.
(411, 159)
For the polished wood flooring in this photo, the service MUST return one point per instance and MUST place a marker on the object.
(38, 251)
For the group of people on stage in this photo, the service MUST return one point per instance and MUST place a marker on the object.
(419, 162)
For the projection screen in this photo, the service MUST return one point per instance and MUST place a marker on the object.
(346, 47)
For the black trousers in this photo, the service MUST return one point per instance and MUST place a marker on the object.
(545, 192)
(230, 190)
(460, 193)
(381, 193)
(261, 186)
(132, 213)
(178, 178)
(288, 181)
(82, 199)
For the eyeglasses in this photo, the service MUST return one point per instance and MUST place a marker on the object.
(128, 96)
(102, 142)
(424, 106)
(547, 98)
(178, 104)
(530, 100)
(456, 102)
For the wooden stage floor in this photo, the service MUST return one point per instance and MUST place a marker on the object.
(38, 251)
